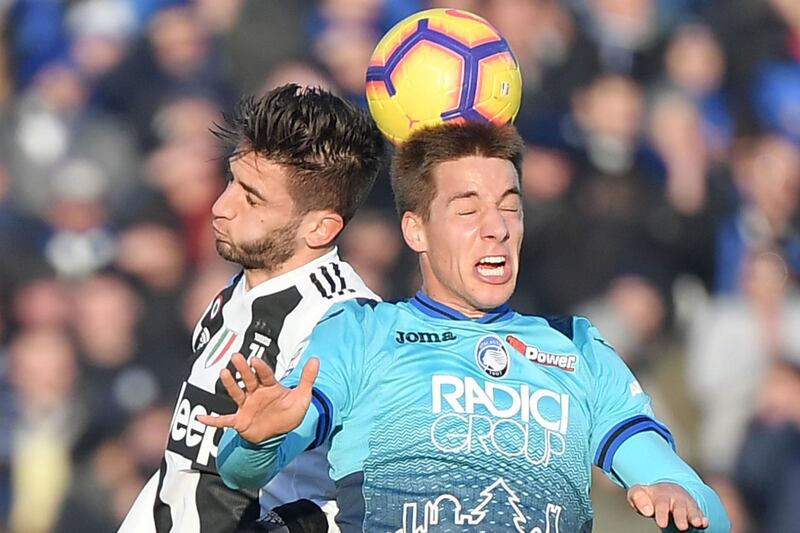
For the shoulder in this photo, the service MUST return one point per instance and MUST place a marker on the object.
(580, 333)
(578, 329)
(350, 313)
(563, 326)
(334, 281)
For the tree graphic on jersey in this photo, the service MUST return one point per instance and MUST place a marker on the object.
(489, 495)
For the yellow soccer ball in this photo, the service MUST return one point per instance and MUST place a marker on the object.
(440, 65)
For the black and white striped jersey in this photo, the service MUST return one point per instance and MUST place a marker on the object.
(272, 321)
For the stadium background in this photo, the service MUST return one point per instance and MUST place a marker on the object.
(662, 179)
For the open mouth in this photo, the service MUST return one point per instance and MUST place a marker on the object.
(492, 266)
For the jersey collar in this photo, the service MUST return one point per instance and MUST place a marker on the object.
(287, 279)
(427, 305)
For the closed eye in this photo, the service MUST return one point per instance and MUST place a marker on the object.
(511, 206)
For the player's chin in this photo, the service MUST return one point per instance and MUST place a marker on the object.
(496, 293)
(226, 251)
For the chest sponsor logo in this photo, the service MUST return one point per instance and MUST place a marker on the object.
(423, 337)
(535, 355)
(477, 416)
(492, 357)
(221, 347)
(190, 438)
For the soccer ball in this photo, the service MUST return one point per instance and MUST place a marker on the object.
(439, 65)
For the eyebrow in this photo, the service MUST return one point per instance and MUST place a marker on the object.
(474, 194)
(251, 190)
(512, 190)
(247, 188)
(462, 195)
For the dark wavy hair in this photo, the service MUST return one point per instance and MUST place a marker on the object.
(332, 149)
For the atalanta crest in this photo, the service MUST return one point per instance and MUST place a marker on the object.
(492, 357)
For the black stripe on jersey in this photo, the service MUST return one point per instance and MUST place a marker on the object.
(269, 313)
(350, 499)
(335, 281)
(329, 279)
(338, 274)
(320, 288)
(161, 513)
(302, 516)
(212, 321)
(221, 509)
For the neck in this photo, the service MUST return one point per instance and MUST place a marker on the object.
(444, 297)
(257, 276)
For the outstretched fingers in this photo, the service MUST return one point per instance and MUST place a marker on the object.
(639, 499)
(223, 421)
(247, 375)
(680, 514)
(697, 518)
(663, 506)
(234, 391)
(264, 374)
(664, 500)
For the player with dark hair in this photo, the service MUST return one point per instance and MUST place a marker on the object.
(450, 410)
(303, 161)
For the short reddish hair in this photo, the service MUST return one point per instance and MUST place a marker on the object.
(416, 159)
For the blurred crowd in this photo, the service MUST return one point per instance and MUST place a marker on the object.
(661, 182)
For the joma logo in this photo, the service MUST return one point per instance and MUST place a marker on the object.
(412, 337)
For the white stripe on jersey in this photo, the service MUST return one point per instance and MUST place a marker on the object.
(142, 507)
(273, 321)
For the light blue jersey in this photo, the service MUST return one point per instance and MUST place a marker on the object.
(438, 422)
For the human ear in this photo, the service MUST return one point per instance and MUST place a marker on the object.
(322, 228)
(413, 228)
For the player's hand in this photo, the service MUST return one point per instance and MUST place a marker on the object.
(265, 407)
(660, 500)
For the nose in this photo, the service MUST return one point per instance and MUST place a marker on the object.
(222, 207)
(494, 226)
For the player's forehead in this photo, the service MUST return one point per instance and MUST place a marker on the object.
(256, 170)
(484, 178)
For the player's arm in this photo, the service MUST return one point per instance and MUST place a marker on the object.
(273, 423)
(626, 434)
(660, 484)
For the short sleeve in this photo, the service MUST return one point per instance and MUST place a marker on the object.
(338, 341)
(618, 405)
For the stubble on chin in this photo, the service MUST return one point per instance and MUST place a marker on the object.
(267, 254)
